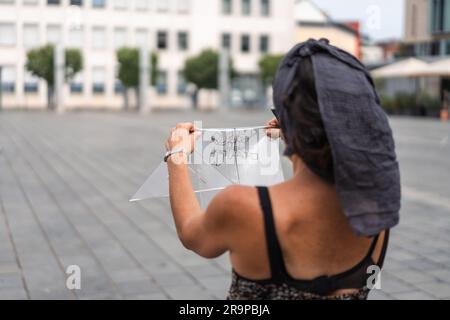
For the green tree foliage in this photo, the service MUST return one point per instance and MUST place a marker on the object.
(409, 103)
(74, 63)
(128, 72)
(40, 63)
(128, 59)
(203, 71)
(268, 66)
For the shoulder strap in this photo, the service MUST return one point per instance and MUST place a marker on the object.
(372, 247)
(384, 249)
(275, 254)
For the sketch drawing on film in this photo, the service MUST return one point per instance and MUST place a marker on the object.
(223, 157)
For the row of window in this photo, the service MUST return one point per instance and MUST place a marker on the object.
(31, 84)
(246, 7)
(99, 36)
(246, 43)
(180, 6)
(434, 48)
(31, 38)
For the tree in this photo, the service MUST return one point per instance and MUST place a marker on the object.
(268, 66)
(40, 63)
(128, 73)
(203, 71)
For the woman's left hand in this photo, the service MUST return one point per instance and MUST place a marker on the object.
(183, 136)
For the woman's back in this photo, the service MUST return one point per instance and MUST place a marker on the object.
(314, 235)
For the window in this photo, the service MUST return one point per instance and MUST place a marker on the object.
(76, 3)
(98, 80)
(265, 8)
(121, 4)
(181, 83)
(227, 7)
(53, 34)
(8, 84)
(98, 38)
(120, 37)
(414, 19)
(162, 41)
(162, 5)
(6, 1)
(142, 37)
(53, 2)
(245, 43)
(98, 3)
(76, 38)
(161, 83)
(264, 44)
(7, 34)
(29, 2)
(76, 84)
(438, 8)
(246, 7)
(226, 41)
(183, 41)
(118, 87)
(183, 6)
(31, 35)
(142, 5)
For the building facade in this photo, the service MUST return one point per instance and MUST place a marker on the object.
(427, 27)
(175, 29)
(312, 22)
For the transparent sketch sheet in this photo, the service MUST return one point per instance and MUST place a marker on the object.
(223, 157)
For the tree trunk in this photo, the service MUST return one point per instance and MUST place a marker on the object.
(126, 102)
(50, 96)
(138, 99)
(195, 99)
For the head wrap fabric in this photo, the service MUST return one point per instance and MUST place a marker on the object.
(366, 170)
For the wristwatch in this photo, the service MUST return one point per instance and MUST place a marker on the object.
(172, 152)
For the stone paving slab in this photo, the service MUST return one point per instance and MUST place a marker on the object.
(65, 181)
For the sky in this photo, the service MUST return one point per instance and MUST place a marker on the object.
(380, 19)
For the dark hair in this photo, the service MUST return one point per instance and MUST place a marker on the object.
(308, 138)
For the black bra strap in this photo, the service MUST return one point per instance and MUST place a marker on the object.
(384, 249)
(273, 246)
(373, 246)
(275, 254)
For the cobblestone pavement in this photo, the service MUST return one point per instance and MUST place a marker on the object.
(65, 181)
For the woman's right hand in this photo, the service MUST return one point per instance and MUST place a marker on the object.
(274, 130)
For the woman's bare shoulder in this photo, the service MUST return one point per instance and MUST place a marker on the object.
(236, 202)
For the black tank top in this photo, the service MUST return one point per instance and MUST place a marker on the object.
(282, 285)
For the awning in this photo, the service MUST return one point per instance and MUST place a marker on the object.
(407, 68)
(440, 68)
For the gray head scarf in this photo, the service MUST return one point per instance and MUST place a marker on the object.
(366, 171)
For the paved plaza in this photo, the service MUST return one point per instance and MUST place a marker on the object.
(65, 181)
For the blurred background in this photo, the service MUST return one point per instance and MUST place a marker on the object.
(90, 88)
(405, 43)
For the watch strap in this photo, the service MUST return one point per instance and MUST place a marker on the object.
(172, 152)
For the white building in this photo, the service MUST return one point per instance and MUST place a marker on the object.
(176, 29)
(312, 22)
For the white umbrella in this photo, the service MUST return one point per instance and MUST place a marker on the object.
(407, 68)
(440, 68)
